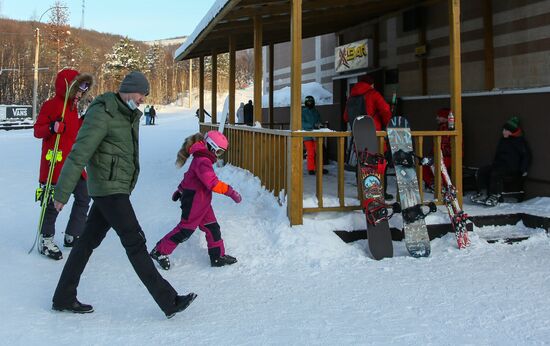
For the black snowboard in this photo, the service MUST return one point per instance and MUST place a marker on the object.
(366, 144)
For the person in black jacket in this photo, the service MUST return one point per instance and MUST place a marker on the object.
(512, 158)
(248, 111)
(152, 114)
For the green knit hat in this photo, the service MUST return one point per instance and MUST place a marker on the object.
(512, 124)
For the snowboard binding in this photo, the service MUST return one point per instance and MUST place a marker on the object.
(416, 212)
(375, 161)
(377, 212)
(404, 158)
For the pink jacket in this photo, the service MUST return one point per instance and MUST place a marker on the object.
(197, 184)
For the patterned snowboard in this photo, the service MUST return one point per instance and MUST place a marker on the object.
(366, 143)
(416, 233)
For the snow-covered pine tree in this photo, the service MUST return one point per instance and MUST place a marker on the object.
(125, 57)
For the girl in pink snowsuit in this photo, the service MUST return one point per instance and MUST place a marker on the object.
(195, 195)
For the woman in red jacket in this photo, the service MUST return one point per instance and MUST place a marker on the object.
(47, 126)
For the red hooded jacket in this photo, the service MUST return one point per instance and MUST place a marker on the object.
(375, 104)
(50, 112)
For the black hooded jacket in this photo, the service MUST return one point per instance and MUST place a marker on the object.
(512, 154)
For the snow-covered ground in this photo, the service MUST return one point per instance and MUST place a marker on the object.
(296, 286)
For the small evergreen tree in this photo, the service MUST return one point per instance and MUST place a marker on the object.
(125, 57)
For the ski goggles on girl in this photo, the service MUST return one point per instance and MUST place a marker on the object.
(217, 150)
(84, 86)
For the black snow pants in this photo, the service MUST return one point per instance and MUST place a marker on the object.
(75, 226)
(114, 211)
(492, 179)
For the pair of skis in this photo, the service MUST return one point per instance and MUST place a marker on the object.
(44, 194)
(459, 219)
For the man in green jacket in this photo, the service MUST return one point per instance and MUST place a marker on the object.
(107, 145)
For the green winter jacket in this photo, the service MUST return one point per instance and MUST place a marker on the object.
(107, 144)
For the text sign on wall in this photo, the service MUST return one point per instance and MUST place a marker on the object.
(353, 56)
(18, 112)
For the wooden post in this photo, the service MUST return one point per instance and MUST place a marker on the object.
(341, 192)
(201, 89)
(257, 69)
(294, 151)
(190, 83)
(271, 74)
(319, 175)
(456, 93)
(488, 44)
(214, 112)
(232, 45)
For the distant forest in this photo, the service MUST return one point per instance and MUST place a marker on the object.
(107, 57)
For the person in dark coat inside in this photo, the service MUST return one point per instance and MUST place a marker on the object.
(248, 111)
(512, 158)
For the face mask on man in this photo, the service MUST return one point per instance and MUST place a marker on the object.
(131, 104)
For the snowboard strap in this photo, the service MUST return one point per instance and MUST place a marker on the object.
(369, 159)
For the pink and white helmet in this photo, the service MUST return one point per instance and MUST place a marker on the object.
(217, 141)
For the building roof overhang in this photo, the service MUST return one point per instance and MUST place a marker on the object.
(236, 18)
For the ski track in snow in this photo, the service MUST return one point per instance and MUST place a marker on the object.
(300, 285)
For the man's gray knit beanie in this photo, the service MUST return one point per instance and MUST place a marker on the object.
(135, 82)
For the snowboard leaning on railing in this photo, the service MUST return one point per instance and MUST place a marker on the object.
(44, 193)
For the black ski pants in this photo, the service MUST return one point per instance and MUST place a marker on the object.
(492, 179)
(114, 211)
(75, 226)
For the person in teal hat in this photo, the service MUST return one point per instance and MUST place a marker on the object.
(311, 120)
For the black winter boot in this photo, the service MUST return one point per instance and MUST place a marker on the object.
(161, 259)
(222, 260)
(76, 307)
(182, 302)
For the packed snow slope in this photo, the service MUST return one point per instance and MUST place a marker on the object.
(295, 286)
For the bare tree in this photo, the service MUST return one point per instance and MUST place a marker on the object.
(58, 29)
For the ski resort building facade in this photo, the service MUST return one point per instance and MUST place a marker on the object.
(468, 55)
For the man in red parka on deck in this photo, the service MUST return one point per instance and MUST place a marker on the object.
(48, 125)
(364, 99)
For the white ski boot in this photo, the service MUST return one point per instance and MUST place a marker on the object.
(49, 249)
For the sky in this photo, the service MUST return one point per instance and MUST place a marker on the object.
(139, 20)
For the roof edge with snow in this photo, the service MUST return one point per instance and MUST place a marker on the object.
(218, 9)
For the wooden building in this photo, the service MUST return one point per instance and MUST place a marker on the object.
(275, 155)
(505, 69)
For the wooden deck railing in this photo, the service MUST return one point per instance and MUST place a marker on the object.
(260, 151)
(263, 152)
